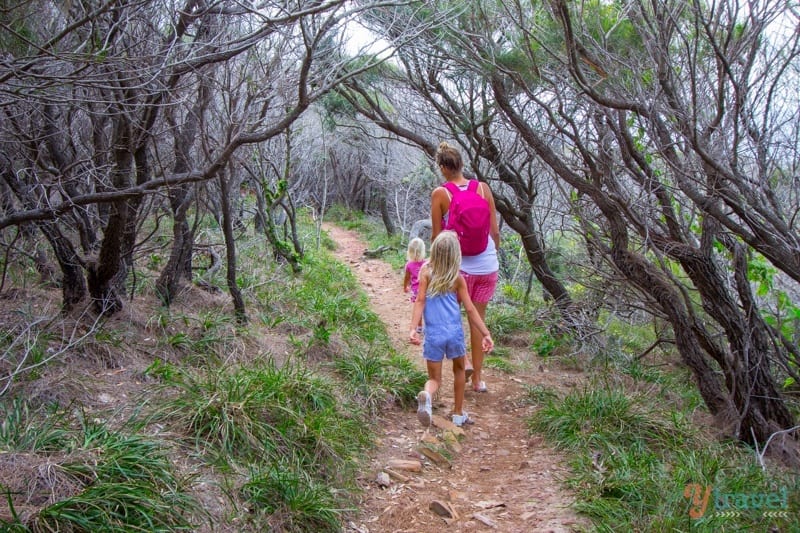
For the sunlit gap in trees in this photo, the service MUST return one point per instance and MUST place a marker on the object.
(360, 40)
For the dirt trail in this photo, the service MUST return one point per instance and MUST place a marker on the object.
(497, 477)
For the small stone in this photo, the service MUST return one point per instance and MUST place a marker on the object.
(451, 441)
(430, 439)
(435, 456)
(445, 424)
(398, 476)
(485, 520)
(490, 504)
(105, 398)
(443, 509)
(382, 479)
(402, 464)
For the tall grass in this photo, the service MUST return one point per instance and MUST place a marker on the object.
(265, 412)
(328, 301)
(288, 498)
(631, 461)
(108, 480)
(378, 381)
(329, 294)
(24, 429)
(260, 417)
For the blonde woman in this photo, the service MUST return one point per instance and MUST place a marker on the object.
(479, 271)
(441, 288)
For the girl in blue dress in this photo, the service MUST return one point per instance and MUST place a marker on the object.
(441, 291)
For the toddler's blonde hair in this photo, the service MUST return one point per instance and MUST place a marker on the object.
(445, 263)
(416, 250)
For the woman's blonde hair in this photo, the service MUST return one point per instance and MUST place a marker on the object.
(416, 250)
(449, 157)
(444, 263)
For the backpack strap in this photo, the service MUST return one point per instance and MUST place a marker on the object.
(452, 188)
(472, 185)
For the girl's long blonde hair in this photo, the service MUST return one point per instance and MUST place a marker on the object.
(416, 250)
(444, 263)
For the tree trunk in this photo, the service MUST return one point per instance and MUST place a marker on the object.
(649, 280)
(179, 264)
(174, 270)
(230, 249)
(57, 151)
(535, 253)
(388, 222)
(102, 273)
(760, 409)
(73, 282)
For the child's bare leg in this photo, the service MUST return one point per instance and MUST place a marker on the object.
(424, 398)
(459, 383)
(434, 377)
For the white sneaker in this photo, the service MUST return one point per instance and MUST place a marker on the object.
(424, 410)
(462, 420)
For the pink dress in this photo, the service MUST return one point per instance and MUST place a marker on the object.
(413, 268)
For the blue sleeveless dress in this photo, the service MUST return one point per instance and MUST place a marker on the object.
(444, 333)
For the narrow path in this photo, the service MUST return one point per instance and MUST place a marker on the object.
(495, 476)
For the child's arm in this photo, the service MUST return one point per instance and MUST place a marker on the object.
(472, 314)
(407, 280)
(419, 306)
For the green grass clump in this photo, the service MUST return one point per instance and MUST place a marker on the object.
(259, 417)
(325, 298)
(631, 462)
(499, 360)
(506, 320)
(262, 413)
(377, 380)
(284, 496)
(539, 394)
(106, 480)
(27, 430)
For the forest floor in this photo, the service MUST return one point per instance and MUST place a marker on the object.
(492, 475)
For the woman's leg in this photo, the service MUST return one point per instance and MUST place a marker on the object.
(475, 339)
(481, 289)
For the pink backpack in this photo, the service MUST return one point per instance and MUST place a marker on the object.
(468, 215)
